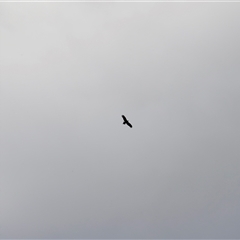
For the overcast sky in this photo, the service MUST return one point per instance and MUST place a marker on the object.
(69, 167)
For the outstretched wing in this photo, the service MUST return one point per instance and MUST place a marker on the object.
(124, 118)
(129, 124)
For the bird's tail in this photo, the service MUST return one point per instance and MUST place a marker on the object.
(124, 122)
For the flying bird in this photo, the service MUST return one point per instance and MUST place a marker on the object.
(125, 121)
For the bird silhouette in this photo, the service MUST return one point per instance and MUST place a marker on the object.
(125, 121)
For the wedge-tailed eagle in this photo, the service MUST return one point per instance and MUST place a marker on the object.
(125, 121)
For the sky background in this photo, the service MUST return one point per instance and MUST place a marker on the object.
(69, 168)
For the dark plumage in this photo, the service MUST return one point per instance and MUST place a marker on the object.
(125, 121)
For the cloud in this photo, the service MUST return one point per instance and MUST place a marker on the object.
(70, 169)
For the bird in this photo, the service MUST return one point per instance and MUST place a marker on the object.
(125, 121)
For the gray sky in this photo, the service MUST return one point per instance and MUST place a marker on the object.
(71, 169)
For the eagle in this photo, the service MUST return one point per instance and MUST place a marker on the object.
(125, 121)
